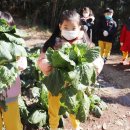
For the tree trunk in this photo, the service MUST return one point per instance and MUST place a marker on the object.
(54, 4)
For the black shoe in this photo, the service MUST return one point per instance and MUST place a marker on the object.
(105, 59)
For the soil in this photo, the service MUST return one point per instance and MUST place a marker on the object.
(115, 89)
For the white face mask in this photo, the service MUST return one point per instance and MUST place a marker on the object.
(85, 15)
(69, 35)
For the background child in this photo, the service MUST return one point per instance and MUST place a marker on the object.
(106, 33)
(125, 41)
(87, 20)
(11, 117)
(68, 31)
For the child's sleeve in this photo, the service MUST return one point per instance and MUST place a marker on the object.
(123, 33)
(22, 63)
(43, 64)
(98, 64)
(113, 30)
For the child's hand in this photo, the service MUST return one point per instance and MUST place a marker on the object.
(46, 67)
(105, 33)
(121, 43)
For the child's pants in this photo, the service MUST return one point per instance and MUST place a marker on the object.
(54, 106)
(11, 117)
(105, 48)
(125, 54)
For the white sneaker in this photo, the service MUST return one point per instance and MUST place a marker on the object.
(126, 62)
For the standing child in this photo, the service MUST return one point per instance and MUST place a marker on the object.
(87, 20)
(68, 31)
(106, 33)
(125, 41)
(11, 117)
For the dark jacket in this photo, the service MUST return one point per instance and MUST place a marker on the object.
(110, 26)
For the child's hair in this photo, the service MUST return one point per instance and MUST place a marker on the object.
(87, 9)
(70, 15)
(108, 10)
(7, 16)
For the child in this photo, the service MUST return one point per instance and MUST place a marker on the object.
(87, 20)
(106, 32)
(11, 117)
(125, 41)
(68, 31)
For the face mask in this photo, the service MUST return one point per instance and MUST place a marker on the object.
(108, 17)
(85, 15)
(69, 35)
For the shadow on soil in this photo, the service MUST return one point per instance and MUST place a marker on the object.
(117, 74)
(123, 100)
